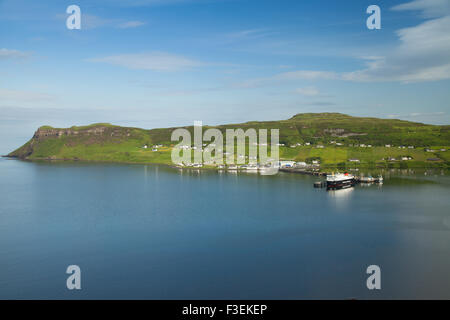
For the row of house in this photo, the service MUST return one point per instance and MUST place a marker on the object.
(403, 158)
(432, 150)
(361, 145)
(400, 147)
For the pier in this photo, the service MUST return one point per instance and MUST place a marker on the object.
(312, 172)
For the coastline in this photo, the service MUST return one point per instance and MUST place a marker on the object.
(316, 171)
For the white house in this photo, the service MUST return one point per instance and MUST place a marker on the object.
(286, 163)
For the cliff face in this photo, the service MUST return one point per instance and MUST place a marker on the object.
(57, 138)
(55, 133)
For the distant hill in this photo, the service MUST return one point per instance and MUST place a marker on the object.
(106, 142)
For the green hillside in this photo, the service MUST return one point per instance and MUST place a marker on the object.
(340, 135)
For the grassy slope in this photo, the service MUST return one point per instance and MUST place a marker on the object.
(123, 144)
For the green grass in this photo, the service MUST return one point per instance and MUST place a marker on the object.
(124, 144)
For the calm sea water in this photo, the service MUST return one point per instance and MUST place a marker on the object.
(140, 231)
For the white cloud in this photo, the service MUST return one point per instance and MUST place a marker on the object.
(308, 91)
(155, 61)
(422, 55)
(131, 24)
(429, 8)
(12, 54)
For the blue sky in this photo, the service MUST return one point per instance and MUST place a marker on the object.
(158, 63)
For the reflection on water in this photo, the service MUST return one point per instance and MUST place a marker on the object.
(341, 198)
(145, 231)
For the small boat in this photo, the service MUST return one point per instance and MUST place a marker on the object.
(252, 167)
(368, 179)
(340, 181)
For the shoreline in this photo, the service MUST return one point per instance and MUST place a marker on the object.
(317, 171)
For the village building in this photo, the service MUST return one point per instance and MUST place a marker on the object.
(286, 163)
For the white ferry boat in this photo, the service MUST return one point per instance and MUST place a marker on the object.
(340, 181)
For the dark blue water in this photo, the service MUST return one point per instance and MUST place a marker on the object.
(154, 232)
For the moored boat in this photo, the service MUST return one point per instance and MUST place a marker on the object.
(252, 168)
(368, 179)
(340, 181)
